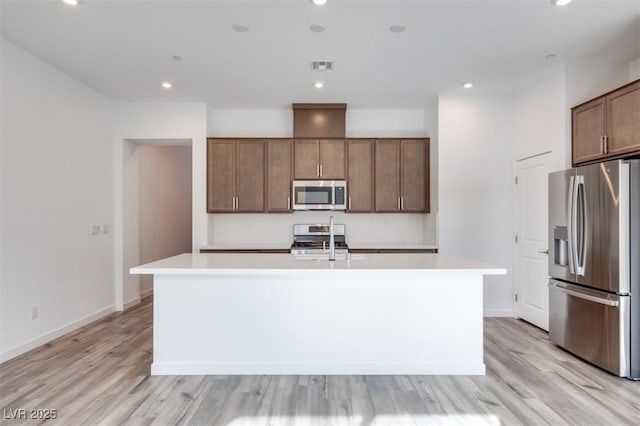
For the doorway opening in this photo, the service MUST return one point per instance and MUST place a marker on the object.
(157, 207)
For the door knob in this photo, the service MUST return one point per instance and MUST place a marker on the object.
(544, 252)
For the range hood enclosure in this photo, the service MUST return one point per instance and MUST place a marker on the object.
(319, 120)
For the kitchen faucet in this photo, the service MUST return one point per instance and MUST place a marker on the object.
(332, 240)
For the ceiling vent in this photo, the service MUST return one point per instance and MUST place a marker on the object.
(322, 65)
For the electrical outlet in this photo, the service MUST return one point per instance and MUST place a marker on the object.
(105, 229)
(95, 229)
(34, 312)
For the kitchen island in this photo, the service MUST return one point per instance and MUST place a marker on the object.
(276, 314)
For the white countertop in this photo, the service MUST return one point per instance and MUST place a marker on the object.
(228, 263)
(392, 246)
(287, 246)
(248, 246)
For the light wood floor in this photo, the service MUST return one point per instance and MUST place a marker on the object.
(100, 375)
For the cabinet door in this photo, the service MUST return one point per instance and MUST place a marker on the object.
(414, 175)
(221, 175)
(332, 159)
(623, 112)
(279, 175)
(307, 159)
(588, 128)
(360, 175)
(387, 176)
(250, 176)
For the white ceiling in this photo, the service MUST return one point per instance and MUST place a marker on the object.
(124, 48)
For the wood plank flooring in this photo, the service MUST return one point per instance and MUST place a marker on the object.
(100, 375)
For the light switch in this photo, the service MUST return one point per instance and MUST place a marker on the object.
(95, 229)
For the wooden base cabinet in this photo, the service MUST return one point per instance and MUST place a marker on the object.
(235, 176)
(402, 175)
(607, 127)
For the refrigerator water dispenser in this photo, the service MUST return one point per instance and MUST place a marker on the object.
(560, 245)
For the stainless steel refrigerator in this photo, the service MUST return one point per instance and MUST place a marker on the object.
(594, 264)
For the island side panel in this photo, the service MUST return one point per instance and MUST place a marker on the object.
(319, 322)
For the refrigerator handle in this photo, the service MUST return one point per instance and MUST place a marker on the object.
(584, 295)
(581, 222)
(571, 224)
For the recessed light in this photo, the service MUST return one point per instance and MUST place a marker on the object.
(176, 58)
(71, 2)
(317, 28)
(319, 2)
(560, 2)
(240, 28)
(467, 84)
(397, 28)
(167, 85)
(318, 84)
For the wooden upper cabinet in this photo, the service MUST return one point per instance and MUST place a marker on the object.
(332, 159)
(255, 175)
(360, 175)
(402, 175)
(307, 159)
(250, 176)
(414, 178)
(588, 129)
(235, 175)
(607, 127)
(221, 175)
(387, 176)
(279, 175)
(623, 108)
(319, 159)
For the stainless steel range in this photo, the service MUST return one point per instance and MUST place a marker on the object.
(313, 240)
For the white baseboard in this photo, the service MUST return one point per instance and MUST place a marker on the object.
(131, 303)
(499, 313)
(54, 334)
(258, 368)
(146, 293)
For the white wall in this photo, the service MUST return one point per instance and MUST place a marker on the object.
(476, 200)
(276, 228)
(540, 118)
(634, 70)
(56, 176)
(279, 123)
(142, 123)
(165, 204)
(275, 123)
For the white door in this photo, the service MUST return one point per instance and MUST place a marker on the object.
(532, 294)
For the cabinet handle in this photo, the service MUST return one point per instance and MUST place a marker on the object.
(606, 144)
(320, 170)
(601, 144)
(399, 208)
(288, 203)
(237, 202)
(349, 203)
(401, 203)
(233, 203)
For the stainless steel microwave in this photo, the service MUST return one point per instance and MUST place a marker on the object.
(319, 195)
